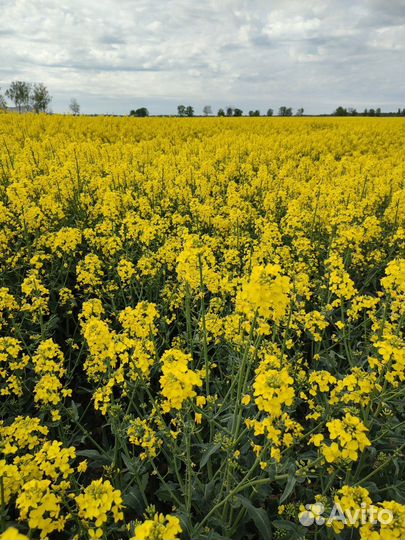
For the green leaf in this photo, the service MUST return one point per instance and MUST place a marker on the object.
(292, 480)
(284, 525)
(259, 516)
(130, 465)
(134, 501)
(95, 457)
(295, 531)
(216, 536)
(208, 454)
(165, 492)
(75, 412)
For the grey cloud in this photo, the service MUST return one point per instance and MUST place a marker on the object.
(317, 54)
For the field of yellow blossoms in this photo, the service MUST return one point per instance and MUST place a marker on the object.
(202, 328)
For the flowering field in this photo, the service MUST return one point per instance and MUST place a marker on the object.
(202, 328)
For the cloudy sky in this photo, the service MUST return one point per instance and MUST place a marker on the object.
(114, 55)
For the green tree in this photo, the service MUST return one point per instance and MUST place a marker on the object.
(229, 111)
(237, 112)
(40, 98)
(270, 112)
(221, 112)
(3, 104)
(181, 110)
(189, 111)
(19, 94)
(141, 112)
(74, 106)
(207, 110)
(299, 111)
(285, 111)
(340, 111)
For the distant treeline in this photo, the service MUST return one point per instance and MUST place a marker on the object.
(36, 97)
(188, 111)
(341, 111)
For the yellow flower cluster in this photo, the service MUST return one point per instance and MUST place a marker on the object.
(35, 295)
(375, 521)
(141, 434)
(97, 504)
(273, 387)
(194, 314)
(49, 366)
(7, 305)
(159, 528)
(12, 534)
(35, 473)
(391, 527)
(393, 283)
(12, 366)
(351, 436)
(357, 387)
(177, 381)
(41, 507)
(265, 292)
(118, 359)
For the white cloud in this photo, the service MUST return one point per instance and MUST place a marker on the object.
(389, 38)
(254, 53)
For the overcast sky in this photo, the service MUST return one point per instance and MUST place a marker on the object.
(117, 55)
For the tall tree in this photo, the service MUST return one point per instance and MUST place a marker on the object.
(340, 111)
(3, 104)
(189, 111)
(181, 110)
(207, 110)
(221, 112)
(40, 98)
(19, 93)
(285, 111)
(229, 111)
(270, 112)
(237, 112)
(141, 112)
(74, 106)
(299, 111)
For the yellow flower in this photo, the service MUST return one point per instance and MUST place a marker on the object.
(126, 270)
(90, 272)
(12, 533)
(352, 439)
(246, 399)
(41, 507)
(316, 440)
(177, 381)
(200, 401)
(82, 467)
(265, 292)
(159, 528)
(141, 434)
(97, 504)
(272, 388)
